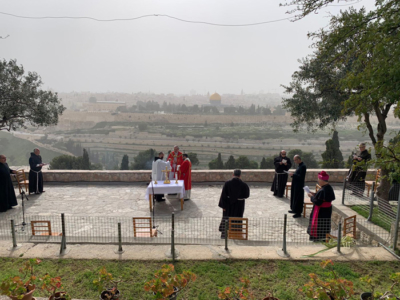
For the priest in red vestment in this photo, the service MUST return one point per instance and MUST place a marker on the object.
(176, 159)
(186, 175)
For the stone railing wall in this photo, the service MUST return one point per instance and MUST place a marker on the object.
(198, 176)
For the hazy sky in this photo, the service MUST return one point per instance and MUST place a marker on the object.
(158, 54)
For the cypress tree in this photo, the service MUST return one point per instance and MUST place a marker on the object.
(332, 157)
(85, 160)
(125, 162)
(230, 163)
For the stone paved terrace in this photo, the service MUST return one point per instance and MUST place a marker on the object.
(93, 210)
(128, 199)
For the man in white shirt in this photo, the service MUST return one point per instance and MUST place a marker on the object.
(157, 172)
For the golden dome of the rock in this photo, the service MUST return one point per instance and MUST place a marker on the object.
(215, 97)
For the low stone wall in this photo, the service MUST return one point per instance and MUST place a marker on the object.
(336, 175)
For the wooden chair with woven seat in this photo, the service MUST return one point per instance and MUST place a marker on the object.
(369, 183)
(143, 227)
(43, 228)
(309, 204)
(349, 229)
(238, 229)
(21, 180)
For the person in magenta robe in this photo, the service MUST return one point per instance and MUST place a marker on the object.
(320, 218)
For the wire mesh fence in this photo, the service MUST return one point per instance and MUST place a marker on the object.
(206, 231)
(381, 213)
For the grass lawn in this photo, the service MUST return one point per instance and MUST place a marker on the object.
(284, 278)
(376, 216)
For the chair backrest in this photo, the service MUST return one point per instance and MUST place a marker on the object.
(41, 228)
(21, 180)
(20, 176)
(378, 175)
(349, 226)
(238, 228)
(142, 225)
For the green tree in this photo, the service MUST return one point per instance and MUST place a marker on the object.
(263, 164)
(22, 101)
(85, 160)
(360, 53)
(332, 157)
(144, 160)
(125, 162)
(243, 162)
(216, 164)
(268, 163)
(230, 163)
(193, 158)
(307, 157)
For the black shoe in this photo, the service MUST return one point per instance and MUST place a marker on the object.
(161, 200)
(186, 199)
(297, 216)
(291, 212)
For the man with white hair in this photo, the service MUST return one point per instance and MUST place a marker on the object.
(358, 170)
(176, 159)
(35, 173)
(7, 193)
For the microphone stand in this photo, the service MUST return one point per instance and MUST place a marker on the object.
(154, 204)
(23, 224)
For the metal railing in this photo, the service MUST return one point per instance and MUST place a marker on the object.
(206, 231)
(380, 212)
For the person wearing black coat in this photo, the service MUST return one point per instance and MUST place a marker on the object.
(7, 192)
(35, 173)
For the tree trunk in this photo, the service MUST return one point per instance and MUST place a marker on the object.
(383, 195)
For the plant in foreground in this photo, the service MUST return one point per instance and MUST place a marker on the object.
(240, 291)
(167, 283)
(334, 288)
(107, 285)
(54, 286)
(395, 278)
(18, 286)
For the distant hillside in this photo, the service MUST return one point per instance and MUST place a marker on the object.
(18, 150)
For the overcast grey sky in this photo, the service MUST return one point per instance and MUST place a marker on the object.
(158, 54)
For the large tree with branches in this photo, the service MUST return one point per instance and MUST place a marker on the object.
(22, 101)
(354, 70)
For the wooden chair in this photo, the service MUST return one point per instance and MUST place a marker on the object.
(238, 229)
(288, 187)
(368, 184)
(43, 228)
(349, 229)
(309, 204)
(21, 180)
(142, 227)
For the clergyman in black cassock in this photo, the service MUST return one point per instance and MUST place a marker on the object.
(297, 192)
(358, 171)
(232, 200)
(282, 163)
(320, 218)
(35, 173)
(7, 192)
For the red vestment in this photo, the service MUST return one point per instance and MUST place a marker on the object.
(175, 160)
(186, 174)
